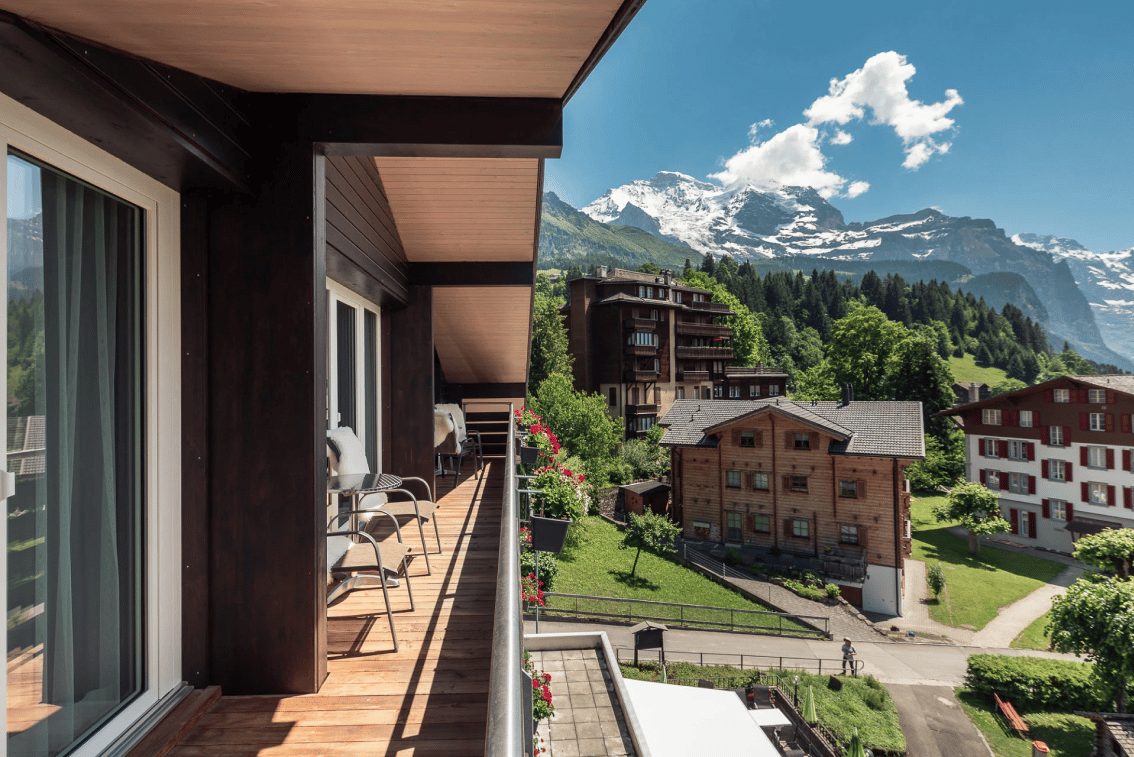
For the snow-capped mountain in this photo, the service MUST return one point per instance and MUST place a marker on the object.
(746, 222)
(1106, 278)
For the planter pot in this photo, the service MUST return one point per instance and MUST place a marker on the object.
(549, 534)
(529, 455)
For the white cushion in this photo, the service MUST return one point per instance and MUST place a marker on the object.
(458, 419)
(352, 457)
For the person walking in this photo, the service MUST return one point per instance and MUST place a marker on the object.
(849, 653)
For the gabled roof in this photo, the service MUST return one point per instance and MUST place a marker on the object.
(634, 299)
(877, 429)
(1113, 382)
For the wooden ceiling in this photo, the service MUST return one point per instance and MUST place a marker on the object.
(491, 48)
(482, 334)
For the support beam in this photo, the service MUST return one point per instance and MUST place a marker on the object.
(409, 405)
(472, 274)
(446, 127)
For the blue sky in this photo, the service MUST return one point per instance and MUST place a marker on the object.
(1022, 112)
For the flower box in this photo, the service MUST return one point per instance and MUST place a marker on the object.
(529, 455)
(549, 534)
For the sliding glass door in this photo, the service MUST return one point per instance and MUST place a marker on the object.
(353, 391)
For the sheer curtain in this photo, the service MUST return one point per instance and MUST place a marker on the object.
(88, 499)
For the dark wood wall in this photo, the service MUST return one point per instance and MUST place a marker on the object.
(408, 448)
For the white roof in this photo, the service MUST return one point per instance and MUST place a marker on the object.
(682, 721)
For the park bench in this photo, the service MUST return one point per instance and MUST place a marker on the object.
(1011, 715)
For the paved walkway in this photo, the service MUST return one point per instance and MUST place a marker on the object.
(1017, 616)
(934, 723)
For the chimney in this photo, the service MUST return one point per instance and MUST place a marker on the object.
(848, 394)
(974, 392)
(600, 271)
(668, 274)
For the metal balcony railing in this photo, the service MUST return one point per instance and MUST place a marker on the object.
(704, 353)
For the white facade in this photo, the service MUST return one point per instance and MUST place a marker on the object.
(882, 590)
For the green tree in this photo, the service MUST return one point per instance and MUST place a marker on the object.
(935, 577)
(649, 267)
(649, 531)
(944, 463)
(1095, 618)
(915, 373)
(860, 349)
(748, 344)
(1005, 386)
(1112, 549)
(580, 421)
(550, 349)
(977, 509)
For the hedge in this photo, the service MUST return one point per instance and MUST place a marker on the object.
(1038, 683)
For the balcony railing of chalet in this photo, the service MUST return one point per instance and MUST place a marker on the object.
(638, 324)
(703, 329)
(647, 350)
(692, 375)
(704, 353)
(844, 563)
(714, 307)
(641, 409)
(632, 375)
(752, 370)
(505, 733)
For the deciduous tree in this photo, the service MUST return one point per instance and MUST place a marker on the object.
(650, 531)
(1112, 549)
(579, 420)
(977, 509)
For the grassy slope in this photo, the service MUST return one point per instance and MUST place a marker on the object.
(965, 370)
(598, 568)
(1065, 734)
(976, 588)
(1034, 636)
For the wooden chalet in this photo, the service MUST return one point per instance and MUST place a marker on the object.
(231, 226)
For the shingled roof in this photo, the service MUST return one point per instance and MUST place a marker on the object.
(1120, 727)
(1114, 382)
(877, 429)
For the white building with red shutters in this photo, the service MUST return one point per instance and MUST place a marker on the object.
(1059, 454)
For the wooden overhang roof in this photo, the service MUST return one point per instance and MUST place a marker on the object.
(458, 101)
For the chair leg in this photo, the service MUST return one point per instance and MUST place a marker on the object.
(409, 589)
(437, 531)
(390, 610)
(424, 549)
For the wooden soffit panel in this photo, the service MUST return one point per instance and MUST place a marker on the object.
(489, 48)
(463, 209)
(482, 335)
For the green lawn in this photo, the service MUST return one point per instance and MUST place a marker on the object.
(1034, 637)
(596, 567)
(975, 587)
(1065, 734)
(965, 369)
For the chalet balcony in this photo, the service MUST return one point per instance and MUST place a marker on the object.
(716, 308)
(692, 375)
(640, 324)
(703, 329)
(641, 350)
(632, 376)
(704, 353)
(641, 409)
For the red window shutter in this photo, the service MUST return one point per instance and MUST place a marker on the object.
(1111, 397)
(1011, 418)
(1045, 435)
(1084, 421)
(983, 476)
(1128, 498)
(1069, 511)
(1014, 519)
(980, 445)
(1031, 447)
(1110, 500)
(1066, 436)
(1047, 508)
(1045, 469)
(1109, 459)
(1003, 482)
(1125, 423)
(1031, 484)
(1035, 418)
(1032, 527)
(1067, 472)
(1048, 395)
(1084, 457)
(1082, 396)
(1002, 448)
(1125, 459)
(1110, 422)
(1085, 490)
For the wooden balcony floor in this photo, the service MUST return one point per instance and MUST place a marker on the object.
(429, 698)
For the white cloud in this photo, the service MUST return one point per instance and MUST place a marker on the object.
(791, 158)
(856, 188)
(841, 138)
(765, 124)
(880, 85)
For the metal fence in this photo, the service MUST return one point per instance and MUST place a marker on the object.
(688, 616)
(743, 661)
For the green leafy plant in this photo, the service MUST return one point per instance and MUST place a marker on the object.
(977, 509)
(561, 493)
(542, 706)
(732, 557)
(1039, 683)
(548, 567)
(650, 531)
(832, 591)
(935, 577)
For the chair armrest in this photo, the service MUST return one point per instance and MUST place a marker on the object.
(424, 483)
(379, 511)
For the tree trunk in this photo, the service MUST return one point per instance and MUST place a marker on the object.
(973, 543)
(636, 556)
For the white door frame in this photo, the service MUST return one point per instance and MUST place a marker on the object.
(336, 293)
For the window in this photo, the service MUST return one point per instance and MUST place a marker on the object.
(1098, 493)
(798, 483)
(657, 365)
(732, 479)
(1026, 519)
(650, 294)
(1098, 421)
(654, 315)
(990, 417)
(1058, 509)
(680, 392)
(613, 398)
(754, 391)
(1057, 470)
(702, 529)
(747, 438)
(801, 528)
(1096, 457)
(641, 291)
(643, 338)
(353, 348)
(718, 367)
(848, 534)
(733, 521)
(1025, 419)
(761, 524)
(718, 391)
(1096, 396)
(1061, 395)
(676, 296)
(734, 392)
(992, 480)
(643, 423)
(848, 488)
(1055, 436)
(802, 440)
(760, 482)
(1018, 483)
(991, 448)
(1017, 450)
(774, 390)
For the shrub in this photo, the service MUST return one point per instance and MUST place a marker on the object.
(642, 457)
(832, 591)
(935, 577)
(874, 699)
(548, 567)
(1038, 683)
(732, 557)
